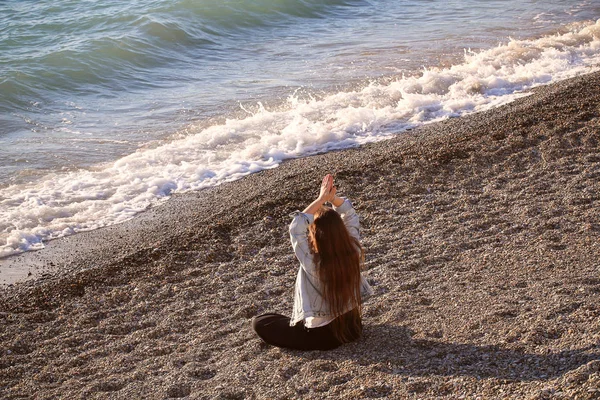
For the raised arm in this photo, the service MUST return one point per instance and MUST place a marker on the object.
(327, 193)
(299, 238)
(344, 207)
(340, 204)
(302, 220)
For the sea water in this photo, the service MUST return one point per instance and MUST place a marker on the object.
(107, 108)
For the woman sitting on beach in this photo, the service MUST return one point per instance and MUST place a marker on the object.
(329, 286)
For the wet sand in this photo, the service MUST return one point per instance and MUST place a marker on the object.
(482, 238)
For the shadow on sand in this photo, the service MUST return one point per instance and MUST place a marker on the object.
(394, 351)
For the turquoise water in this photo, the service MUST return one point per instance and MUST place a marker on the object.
(178, 95)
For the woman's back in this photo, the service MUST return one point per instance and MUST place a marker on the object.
(329, 286)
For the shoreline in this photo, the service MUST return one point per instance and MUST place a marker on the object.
(482, 243)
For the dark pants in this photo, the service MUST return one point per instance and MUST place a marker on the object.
(275, 330)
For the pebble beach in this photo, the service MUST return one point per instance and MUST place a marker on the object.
(482, 241)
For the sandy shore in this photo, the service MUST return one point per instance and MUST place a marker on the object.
(483, 246)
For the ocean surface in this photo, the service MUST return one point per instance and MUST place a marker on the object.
(107, 108)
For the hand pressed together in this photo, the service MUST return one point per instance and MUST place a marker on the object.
(328, 190)
(327, 193)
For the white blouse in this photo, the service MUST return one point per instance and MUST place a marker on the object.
(309, 304)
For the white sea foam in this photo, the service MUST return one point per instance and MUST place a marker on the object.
(63, 203)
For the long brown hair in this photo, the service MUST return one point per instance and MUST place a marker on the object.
(339, 258)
